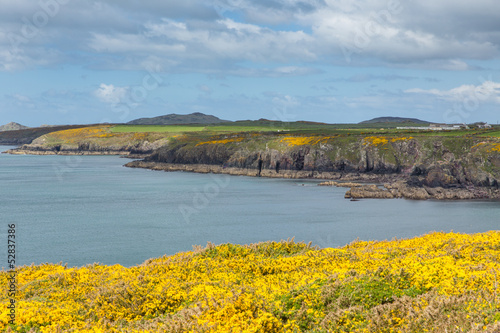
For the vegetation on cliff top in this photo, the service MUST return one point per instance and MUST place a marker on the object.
(107, 135)
(440, 282)
(102, 135)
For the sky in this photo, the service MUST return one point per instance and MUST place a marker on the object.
(333, 61)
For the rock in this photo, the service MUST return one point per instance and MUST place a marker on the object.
(368, 191)
(340, 184)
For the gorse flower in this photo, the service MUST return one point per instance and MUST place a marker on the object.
(437, 282)
(305, 140)
(382, 140)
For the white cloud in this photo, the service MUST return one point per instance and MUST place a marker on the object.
(205, 89)
(230, 40)
(488, 91)
(220, 35)
(108, 93)
(21, 98)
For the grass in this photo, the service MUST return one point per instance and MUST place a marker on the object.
(156, 128)
(298, 128)
(192, 128)
(495, 134)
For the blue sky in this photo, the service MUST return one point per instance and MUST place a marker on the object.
(335, 61)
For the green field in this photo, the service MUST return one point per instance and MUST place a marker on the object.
(261, 126)
(191, 128)
(300, 128)
(493, 133)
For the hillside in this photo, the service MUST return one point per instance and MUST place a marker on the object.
(178, 119)
(26, 136)
(394, 120)
(12, 127)
(440, 282)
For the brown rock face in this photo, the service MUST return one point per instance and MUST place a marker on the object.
(368, 191)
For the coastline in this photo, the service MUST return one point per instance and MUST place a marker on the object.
(63, 152)
(360, 185)
(394, 186)
(266, 173)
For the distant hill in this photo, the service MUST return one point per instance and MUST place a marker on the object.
(178, 119)
(12, 127)
(394, 120)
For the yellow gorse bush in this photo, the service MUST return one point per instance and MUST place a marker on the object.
(74, 135)
(305, 140)
(222, 141)
(494, 147)
(437, 282)
(382, 140)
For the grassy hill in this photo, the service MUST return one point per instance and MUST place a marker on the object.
(177, 119)
(440, 282)
(398, 120)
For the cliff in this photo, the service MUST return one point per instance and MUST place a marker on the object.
(426, 162)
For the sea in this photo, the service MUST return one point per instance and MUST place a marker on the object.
(80, 210)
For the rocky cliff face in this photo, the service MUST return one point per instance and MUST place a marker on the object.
(431, 162)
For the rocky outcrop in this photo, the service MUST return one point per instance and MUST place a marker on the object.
(340, 184)
(430, 160)
(402, 189)
(132, 150)
(423, 168)
(368, 191)
(219, 169)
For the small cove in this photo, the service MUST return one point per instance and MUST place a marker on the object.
(81, 210)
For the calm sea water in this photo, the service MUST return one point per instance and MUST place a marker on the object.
(81, 210)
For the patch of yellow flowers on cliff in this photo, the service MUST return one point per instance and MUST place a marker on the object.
(382, 140)
(305, 140)
(494, 147)
(437, 282)
(490, 147)
(74, 135)
(220, 141)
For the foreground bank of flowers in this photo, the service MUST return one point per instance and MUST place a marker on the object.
(440, 282)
